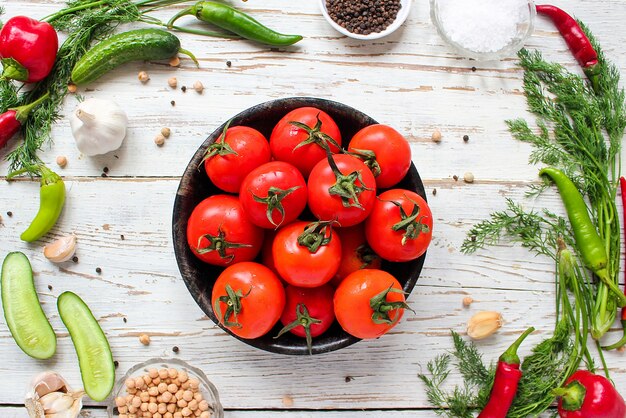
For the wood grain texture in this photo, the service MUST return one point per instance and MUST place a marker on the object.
(409, 80)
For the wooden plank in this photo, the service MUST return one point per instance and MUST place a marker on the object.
(140, 282)
(425, 87)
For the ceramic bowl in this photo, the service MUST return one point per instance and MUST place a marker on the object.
(524, 30)
(195, 186)
(208, 390)
(403, 13)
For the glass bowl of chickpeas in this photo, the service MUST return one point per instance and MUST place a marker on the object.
(164, 388)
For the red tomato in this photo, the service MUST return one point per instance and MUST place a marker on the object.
(412, 239)
(273, 194)
(248, 299)
(356, 253)
(356, 294)
(288, 139)
(296, 264)
(267, 258)
(227, 162)
(391, 157)
(327, 205)
(219, 233)
(308, 312)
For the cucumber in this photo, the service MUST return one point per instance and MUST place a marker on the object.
(92, 347)
(26, 320)
(134, 45)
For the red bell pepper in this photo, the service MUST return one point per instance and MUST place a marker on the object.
(28, 49)
(588, 395)
(12, 120)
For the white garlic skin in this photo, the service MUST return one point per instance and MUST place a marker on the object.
(99, 126)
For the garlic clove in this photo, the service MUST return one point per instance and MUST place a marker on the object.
(483, 324)
(51, 397)
(47, 382)
(61, 250)
(55, 402)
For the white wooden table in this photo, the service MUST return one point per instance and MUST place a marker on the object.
(411, 81)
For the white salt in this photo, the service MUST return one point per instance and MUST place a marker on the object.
(482, 25)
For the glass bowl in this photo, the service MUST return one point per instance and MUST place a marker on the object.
(206, 388)
(403, 13)
(523, 30)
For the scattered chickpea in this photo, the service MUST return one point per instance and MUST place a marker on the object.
(72, 88)
(143, 76)
(175, 61)
(61, 161)
(436, 136)
(467, 301)
(198, 87)
(287, 401)
(166, 132)
(468, 177)
(159, 140)
(172, 82)
(144, 339)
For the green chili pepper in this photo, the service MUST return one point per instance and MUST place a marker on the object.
(237, 22)
(52, 198)
(588, 241)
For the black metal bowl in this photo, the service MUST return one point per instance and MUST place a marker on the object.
(195, 186)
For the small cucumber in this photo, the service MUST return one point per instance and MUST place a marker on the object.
(134, 45)
(92, 347)
(26, 320)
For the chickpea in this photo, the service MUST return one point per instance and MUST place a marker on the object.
(153, 391)
(129, 399)
(147, 379)
(132, 416)
(122, 409)
(72, 88)
(143, 77)
(198, 396)
(167, 415)
(130, 383)
(153, 407)
(123, 416)
(153, 373)
(181, 403)
(172, 373)
(157, 415)
(144, 339)
(144, 406)
(171, 408)
(182, 376)
(62, 161)
(139, 383)
(166, 132)
(203, 405)
(174, 61)
(185, 385)
(179, 395)
(162, 408)
(146, 414)
(205, 414)
(467, 301)
(152, 399)
(194, 383)
(132, 391)
(186, 412)
(197, 413)
(156, 381)
(145, 396)
(172, 388)
(198, 87)
(172, 82)
(136, 403)
(119, 401)
(163, 373)
(167, 396)
(193, 405)
(132, 409)
(188, 395)
(178, 415)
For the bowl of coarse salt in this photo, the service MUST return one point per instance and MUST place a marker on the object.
(485, 30)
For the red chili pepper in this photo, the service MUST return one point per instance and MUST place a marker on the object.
(576, 40)
(622, 342)
(12, 120)
(505, 384)
(28, 49)
(587, 395)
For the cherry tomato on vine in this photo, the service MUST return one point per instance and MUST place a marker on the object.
(236, 152)
(368, 303)
(356, 253)
(400, 226)
(306, 254)
(385, 151)
(342, 188)
(273, 194)
(308, 312)
(301, 136)
(248, 299)
(219, 233)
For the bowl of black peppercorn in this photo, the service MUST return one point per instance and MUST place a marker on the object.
(365, 19)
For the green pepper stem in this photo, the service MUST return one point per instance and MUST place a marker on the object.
(188, 11)
(510, 355)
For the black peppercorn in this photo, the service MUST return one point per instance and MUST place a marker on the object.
(175, 349)
(98, 270)
(465, 138)
(363, 16)
(229, 64)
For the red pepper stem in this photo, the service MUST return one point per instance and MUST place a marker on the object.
(510, 355)
(573, 395)
(22, 112)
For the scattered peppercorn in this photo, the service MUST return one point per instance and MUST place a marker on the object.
(175, 349)
(103, 175)
(9, 214)
(473, 238)
(455, 177)
(184, 88)
(105, 169)
(473, 69)
(363, 16)
(75, 259)
(173, 103)
(49, 287)
(116, 363)
(349, 379)
(229, 64)
(465, 138)
(122, 237)
(98, 270)
(434, 192)
(125, 320)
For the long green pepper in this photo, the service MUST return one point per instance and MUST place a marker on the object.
(52, 199)
(588, 241)
(237, 22)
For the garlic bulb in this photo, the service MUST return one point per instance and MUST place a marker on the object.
(61, 250)
(50, 396)
(98, 126)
